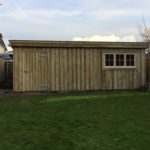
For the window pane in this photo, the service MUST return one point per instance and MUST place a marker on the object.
(121, 63)
(106, 57)
(122, 57)
(130, 59)
(128, 63)
(111, 63)
(117, 63)
(117, 57)
(132, 63)
(120, 60)
(109, 59)
(106, 63)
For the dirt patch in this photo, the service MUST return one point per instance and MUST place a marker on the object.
(2, 91)
(10, 92)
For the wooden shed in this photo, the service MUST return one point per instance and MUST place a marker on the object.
(78, 66)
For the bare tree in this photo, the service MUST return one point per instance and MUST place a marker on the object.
(145, 31)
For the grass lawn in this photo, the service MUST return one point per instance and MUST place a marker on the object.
(93, 121)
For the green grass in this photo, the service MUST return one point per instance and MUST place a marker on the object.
(94, 121)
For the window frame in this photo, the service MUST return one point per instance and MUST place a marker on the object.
(125, 61)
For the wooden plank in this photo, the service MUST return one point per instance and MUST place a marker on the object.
(19, 70)
(135, 73)
(70, 71)
(97, 69)
(118, 80)
(53, 69)
(38, 87)
(93, 69)
(130, 79)
(82, 69)
(115, 80)
(15, 81)
(138, 67)
(87, 70)
(61, 69)
(147, 68)
(24, 70)
(65, 73)
(49, 69)
(46, 70)
(123, 79)
(100, 69)
(57, 69)
(126, 79)
(112, 78)
(34, 70)
(74, 68)
(103, 80)
(40, 70)
(106, 80)
(78, 61)
(143, 71)
(29, 61)
(109, 82)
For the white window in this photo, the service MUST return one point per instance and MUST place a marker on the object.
(117, 60)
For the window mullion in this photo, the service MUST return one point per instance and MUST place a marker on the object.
(115, 60)
(125, 59)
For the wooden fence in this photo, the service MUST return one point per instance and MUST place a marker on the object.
(148, 68)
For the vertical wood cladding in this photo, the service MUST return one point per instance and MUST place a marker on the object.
(73, 69)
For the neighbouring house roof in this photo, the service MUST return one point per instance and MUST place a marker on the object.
(7, 56)
(80, 44)
(3, 45)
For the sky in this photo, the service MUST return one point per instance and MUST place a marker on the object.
(83, 20)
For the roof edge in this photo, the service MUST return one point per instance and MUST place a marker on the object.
(71, 44)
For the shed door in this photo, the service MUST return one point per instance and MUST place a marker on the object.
(35, 71)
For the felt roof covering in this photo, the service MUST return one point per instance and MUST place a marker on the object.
(78, 44)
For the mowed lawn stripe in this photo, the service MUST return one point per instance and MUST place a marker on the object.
(97, 120)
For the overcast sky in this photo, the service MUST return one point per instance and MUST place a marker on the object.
(73, 19)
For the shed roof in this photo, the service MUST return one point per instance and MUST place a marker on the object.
(81, 44)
